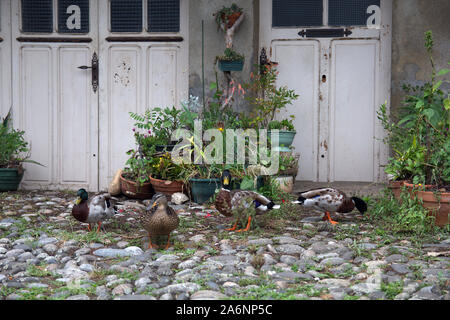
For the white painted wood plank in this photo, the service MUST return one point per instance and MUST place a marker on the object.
(74, 115)
(352, 109)
(298, 68)
(37, 107)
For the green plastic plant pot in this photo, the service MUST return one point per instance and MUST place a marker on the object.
(236, 65)
(285, 139)
(203, 189)
(10, 179)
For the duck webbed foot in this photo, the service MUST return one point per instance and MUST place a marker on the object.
(233, 228)
(327, 217)
(248, 225)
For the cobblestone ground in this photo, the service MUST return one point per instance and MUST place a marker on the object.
(46, 254)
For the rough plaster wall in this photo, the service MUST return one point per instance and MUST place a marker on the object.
(410, 64)
(215, 44)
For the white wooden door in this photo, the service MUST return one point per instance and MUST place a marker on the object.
(54, 100)
(144, 64)
(341, 70)
(5, 57)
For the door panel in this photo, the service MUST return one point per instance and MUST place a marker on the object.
(123, 97)
(37, 110)
(74, 140)
(301, 58)
(163, 65)
(353, 107)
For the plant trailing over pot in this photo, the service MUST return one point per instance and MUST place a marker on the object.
(419, 134)
(420, 140)
(135, 180)
(231, 61)
(229, 19)
(158, 125)
(13, 152)
(165, 175)
(268, 100)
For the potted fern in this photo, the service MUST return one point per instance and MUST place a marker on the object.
(13, 152)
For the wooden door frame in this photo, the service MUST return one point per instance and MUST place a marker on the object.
(267, 35)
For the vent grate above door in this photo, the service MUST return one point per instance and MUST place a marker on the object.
(37, 16)
(163, 15)
(126, 15)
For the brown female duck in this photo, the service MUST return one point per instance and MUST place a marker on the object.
(159, 219)
(330, 200)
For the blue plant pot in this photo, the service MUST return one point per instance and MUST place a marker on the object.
(10, 179)
(285, 139)
(203, 189)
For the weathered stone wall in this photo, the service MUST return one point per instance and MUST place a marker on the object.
(214, 43)
(410, 64)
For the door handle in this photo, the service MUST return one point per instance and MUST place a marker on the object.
(94, 68)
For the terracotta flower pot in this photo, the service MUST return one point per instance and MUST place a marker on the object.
(231, 18)
(167, 187)
(133, 190)
(396, 188)
(438, 206)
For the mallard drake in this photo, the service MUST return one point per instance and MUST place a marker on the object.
(228, 201)
(330, 200)
(99, 207)
(159, 219)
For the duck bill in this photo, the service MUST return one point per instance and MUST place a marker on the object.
(226, 181)
(78, 201)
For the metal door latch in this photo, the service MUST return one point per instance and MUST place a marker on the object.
(94, 68)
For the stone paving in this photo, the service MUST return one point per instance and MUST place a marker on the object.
(46, 254)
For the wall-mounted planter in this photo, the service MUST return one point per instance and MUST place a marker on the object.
(225, 65)
(10, 179)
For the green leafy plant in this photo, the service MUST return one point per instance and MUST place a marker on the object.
(267, 98)
(231, 55)
(138, 168)
(13, 147)
(164, 168)
(285, 124)
(404, 216)
(224, 15)
(419, 133)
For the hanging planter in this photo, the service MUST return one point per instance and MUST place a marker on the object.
(233, 65)
(10, 179)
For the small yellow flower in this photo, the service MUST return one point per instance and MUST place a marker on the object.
(220, 129)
